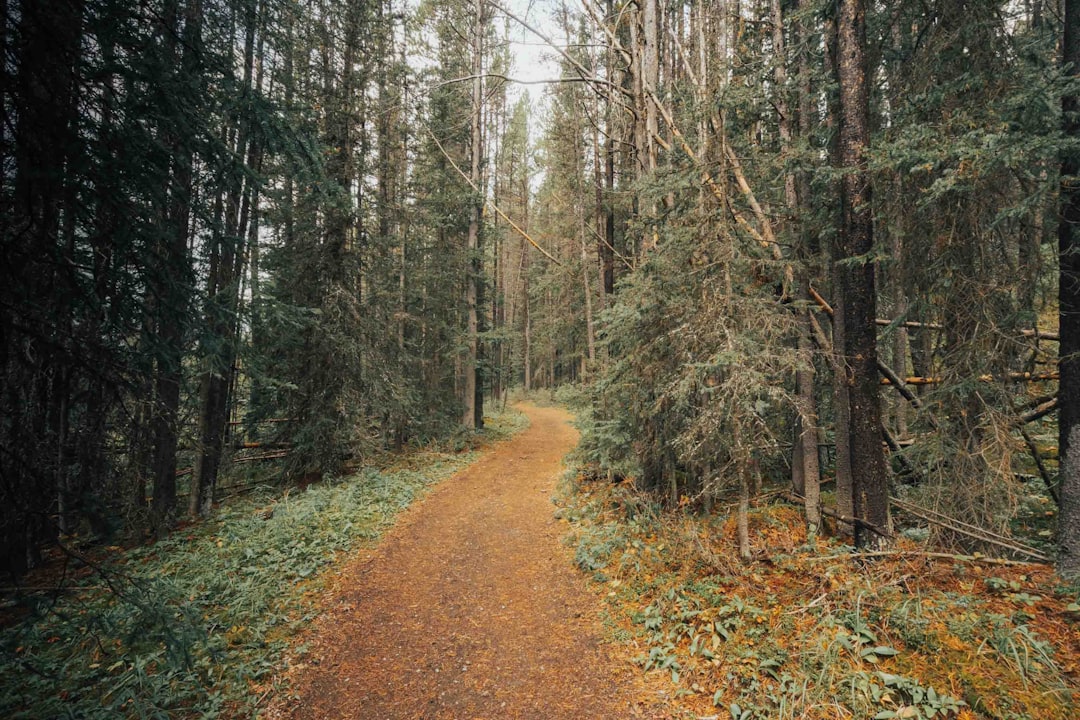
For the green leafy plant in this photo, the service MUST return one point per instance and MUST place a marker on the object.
(908, 699)
(187, 626)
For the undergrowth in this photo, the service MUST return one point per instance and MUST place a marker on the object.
(815, 631)
(193, 625)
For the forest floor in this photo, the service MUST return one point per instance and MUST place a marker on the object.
(470, 607)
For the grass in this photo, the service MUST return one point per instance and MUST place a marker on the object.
(808, 631)
(196, 624)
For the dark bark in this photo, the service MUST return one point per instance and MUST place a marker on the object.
(855, 312)
(841, 422)
(38, 360)
(473, 416)
(172, 282)
(1069, 313)
(223, 288)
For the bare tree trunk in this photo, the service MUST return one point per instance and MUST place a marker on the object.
(589, 332)
(600, 215)
(526, 316)
(173, 298)
(841, 424)
(650, 23)
(582, 223)
(1069, 314)
(856, 309)
(471, 388)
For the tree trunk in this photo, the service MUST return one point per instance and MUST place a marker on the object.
(1069, 313)
(172, 291)
(856, 309)
(222, 302)
(472, 417)
(607, 252)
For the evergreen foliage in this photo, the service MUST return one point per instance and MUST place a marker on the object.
(300, 234)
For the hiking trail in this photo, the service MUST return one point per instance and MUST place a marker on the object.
(470, 607)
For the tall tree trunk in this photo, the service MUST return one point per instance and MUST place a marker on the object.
(1069, 312)
(38, 224)
(173, 287)
(222, 300)
(804, 467)
(841, 402)
(582, 232)
(473, 414)
(600, 214)
(607, 254)
(856, 308)
(808, 251)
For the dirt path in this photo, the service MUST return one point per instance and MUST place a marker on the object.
(470, 607)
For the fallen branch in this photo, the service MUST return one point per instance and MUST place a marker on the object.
(52, 589)
(791, 497)
(1039, 412)
(1008, 377)
(257, 445)
(1033, 448)
(261, 422)
(922, 554)
(962, 528)
(255, 458)
(934, 518)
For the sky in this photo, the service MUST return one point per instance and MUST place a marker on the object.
(533, 61)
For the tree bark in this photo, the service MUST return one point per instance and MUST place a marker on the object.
(857, 304)
(222, 302)
(173, 288)
(1069, 312)
(472, 417)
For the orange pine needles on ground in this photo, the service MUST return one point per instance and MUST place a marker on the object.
(818, 632)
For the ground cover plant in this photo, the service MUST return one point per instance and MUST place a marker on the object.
(817, 630)
(195, 625)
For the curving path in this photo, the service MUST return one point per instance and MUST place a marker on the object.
(470, 608)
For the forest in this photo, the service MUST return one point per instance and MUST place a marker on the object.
(823, 252)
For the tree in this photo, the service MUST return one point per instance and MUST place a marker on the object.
(857, 297)
(473, 416)
(1069, 309)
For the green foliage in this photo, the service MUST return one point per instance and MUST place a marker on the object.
(698, 384)
(190, 625)
(907, 698)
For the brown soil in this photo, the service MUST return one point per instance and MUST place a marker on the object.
(470, 608)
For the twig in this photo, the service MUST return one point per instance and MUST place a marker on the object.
(804, 608)
(516, 81)
(51, 588)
